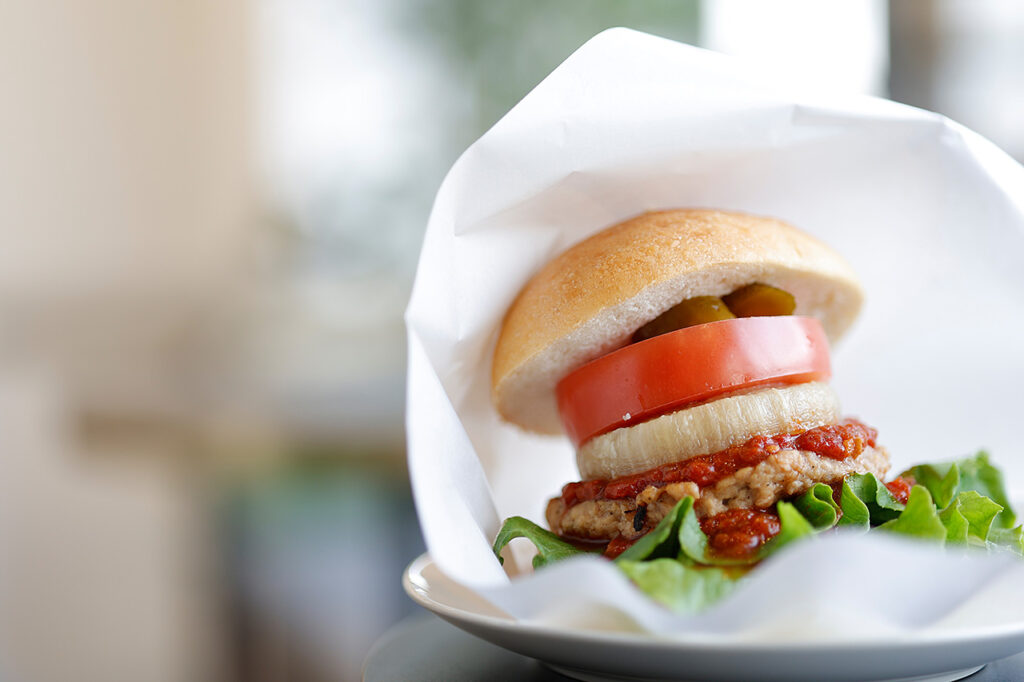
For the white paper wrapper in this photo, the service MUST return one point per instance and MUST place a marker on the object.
(930, 215)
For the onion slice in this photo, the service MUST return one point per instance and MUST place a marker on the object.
(707, 428)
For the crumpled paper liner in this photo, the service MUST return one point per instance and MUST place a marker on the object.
(931, 216)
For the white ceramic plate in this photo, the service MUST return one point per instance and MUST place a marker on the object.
(593, 655)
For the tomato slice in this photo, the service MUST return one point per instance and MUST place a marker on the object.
(691, 365)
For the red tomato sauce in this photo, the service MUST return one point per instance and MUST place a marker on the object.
(836, 441)
(738, 533)
(733, 534)
(617, 546)
(900, 489)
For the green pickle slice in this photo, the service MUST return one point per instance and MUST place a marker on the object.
(753, 300)
(760, 300)
(690, 312)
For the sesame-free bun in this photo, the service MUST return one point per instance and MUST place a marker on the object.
(590, 299)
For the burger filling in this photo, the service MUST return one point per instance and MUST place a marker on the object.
(687, 410)
(750, 477)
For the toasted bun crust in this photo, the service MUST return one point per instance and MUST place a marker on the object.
(589, 300)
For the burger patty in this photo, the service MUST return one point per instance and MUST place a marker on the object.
(781, 475)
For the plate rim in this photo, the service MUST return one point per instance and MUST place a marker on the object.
(681, 642)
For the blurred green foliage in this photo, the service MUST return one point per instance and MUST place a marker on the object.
(499, 50)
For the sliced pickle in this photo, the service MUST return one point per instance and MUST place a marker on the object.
(690, 312)
(760, 300)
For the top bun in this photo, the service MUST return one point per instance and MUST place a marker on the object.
(589, 300)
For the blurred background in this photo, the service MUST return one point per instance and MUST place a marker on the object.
(210, 214)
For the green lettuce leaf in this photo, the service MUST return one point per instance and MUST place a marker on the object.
(681, 587)
(968, 518)
(793, 526)
(978, 474)
(679, 536)
(959, 503)
(880, 503)
(550, 547)
(855, 512)
(663, 541)
(945, 480)
(817, 506)
(1007, 539)
(693, 543)
(941, 480)
(920, 519)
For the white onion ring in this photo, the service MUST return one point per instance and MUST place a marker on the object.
(707, 428)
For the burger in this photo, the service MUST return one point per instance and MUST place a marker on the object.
(685, 354)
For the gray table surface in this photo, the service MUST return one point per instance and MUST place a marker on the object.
(424, 648)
